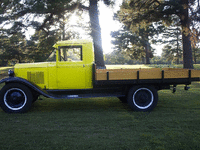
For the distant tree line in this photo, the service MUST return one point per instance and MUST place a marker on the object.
(122, 59)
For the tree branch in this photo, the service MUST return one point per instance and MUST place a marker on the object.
(45, 21)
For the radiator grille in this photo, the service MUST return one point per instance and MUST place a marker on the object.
(36, 77)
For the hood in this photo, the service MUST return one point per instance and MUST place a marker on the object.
(31, 65)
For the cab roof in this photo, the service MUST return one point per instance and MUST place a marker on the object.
(71, 42)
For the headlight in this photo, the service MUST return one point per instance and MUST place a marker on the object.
(11, 73)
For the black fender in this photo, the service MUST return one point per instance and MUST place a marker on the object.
(32, 86)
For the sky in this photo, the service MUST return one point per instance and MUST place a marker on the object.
(108, 24)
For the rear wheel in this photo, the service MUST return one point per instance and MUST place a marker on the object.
(15, 98)
(143, 98)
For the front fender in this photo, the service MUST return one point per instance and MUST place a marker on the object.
(27, 83)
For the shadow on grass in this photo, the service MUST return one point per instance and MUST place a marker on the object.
(84, 104)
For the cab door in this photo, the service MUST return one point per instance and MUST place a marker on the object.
(70, 68)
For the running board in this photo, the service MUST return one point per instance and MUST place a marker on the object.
(54, 96)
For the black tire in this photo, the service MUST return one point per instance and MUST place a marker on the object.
(123, 99)
(15, 98)
(142, 98)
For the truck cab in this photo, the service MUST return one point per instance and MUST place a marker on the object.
(72, 68)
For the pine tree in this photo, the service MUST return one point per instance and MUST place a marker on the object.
(172, 37)
(136, 42)
(195, 39)
(13, 49)
(147, 11)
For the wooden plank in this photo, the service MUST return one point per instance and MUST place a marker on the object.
(195, 73)
(156, 74)
(100, 76)
(153, 73)
(169, 74)
(123, 75)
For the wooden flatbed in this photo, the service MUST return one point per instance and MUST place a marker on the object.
(153, 75)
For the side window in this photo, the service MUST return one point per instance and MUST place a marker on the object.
(70, 53)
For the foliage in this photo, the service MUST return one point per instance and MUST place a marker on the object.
(17, 16)
(24, 13)
(173, 50)
(136, 44)
(160, 60)
(141, 13)
(41, 45)
(196, 54)
(116, 57)
(171, 54)
(13, 49)
(48, 15)
(195, 41)
(135, 40)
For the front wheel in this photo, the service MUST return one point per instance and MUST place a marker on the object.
(15, 98)
(142, 98)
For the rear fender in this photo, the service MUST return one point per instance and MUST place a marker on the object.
(32, 86)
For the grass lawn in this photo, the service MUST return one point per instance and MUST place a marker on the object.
(5, 69)
(105, 124)
(196, 66)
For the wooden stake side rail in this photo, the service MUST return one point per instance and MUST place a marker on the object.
(143, 74)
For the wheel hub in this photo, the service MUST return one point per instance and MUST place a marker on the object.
(15, 99)
(143, 98)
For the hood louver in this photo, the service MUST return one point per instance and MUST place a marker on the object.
(36, 77)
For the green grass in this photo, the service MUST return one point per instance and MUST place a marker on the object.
(105, 123)
(196, 66)
(4, 69)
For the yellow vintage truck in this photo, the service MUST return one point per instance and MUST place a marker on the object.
(73, 75)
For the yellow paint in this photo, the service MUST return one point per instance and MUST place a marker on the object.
(61, 74)
(33, 72)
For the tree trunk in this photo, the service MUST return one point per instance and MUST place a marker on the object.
(177, 46)
(96, 34)
(187, 50)
(195, 60)
(143, 60)
(62, 26)
(147, 49)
